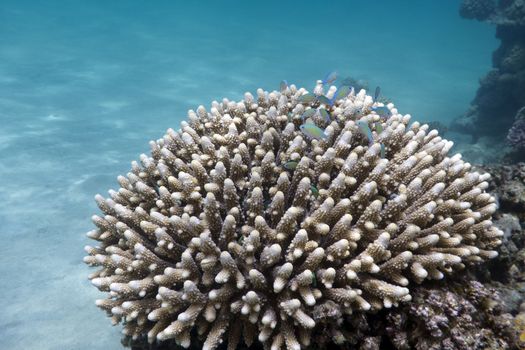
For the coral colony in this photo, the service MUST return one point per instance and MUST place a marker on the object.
(276, 218)
(516, 134)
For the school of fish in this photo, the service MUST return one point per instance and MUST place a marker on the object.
(313, 132)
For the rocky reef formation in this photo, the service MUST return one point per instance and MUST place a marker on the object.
(462, 315)
(249, 225)
(506, 273)
(458, 315)
(502, 91)
(499, 12)
(516, 135)
(507, 184)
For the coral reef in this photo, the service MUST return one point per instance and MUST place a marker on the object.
(516, 135)
(249, 224)
(502, 12)
(502, 91)
(478, 9)
(506, 273)
(482, 310)
(459, 316)
(507, 184)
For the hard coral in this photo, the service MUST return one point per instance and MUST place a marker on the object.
(508, 186)
(458, 316)
(241, 227)
(516, 135)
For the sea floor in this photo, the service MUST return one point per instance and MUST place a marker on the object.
(85, 85)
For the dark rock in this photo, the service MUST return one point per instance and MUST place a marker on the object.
(516, 135)
(502, 91)
(477, 9)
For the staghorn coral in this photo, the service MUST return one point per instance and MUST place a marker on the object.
(241, 227)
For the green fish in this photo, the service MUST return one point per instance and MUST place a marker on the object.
(314, 190)
(324, 114)
(308, 113)
(283, 85)
(347, 81)
(313, 131)
(324, 100)
(307, 98)
(384, 112)
(376, 95)
(365, 129)
(330, 78)
(379, 128)
(383, 150)
(342, 92)
(291, 165)
(314, 280)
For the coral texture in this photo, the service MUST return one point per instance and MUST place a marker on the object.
(458, 316)
(248, 224)
(507, 184)
(516, 135)
(473, 311)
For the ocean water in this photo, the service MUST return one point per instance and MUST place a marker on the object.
(84, 85)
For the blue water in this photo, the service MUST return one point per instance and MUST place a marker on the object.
(84, 85)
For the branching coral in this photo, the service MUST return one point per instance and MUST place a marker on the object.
(243, 225)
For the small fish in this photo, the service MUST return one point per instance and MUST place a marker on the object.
(307, 98)
(376, 95)
(308, 113)
(324, 114)
(383, 111)
(291, 165)
(365, 129)
(379, 127)
(314, 280)
(347, 81)
(342, 92)
(382, 151)
(330, 78)
(324, 100)
(314, 190)
(283, 85)
(290, 116)
(313, 131)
